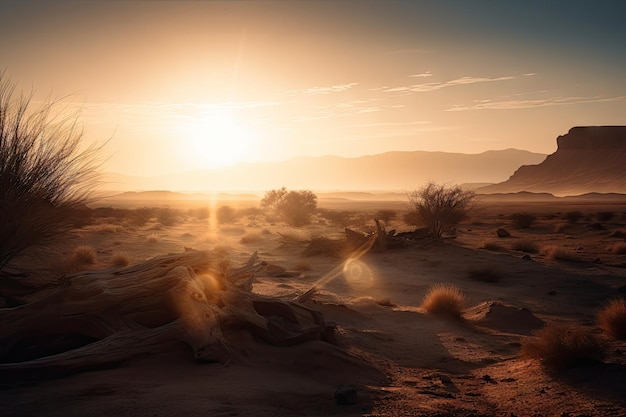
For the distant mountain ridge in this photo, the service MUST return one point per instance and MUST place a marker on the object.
(387, 171)
(589, 159)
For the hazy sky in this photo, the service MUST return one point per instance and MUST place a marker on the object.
(181, 85)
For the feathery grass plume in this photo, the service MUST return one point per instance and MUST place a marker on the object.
(84, 254)
(560, 348)
(559, 253)
(120, 259)
(445, 300)
(612, 318)
(46, 175)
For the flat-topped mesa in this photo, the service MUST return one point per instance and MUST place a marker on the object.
(592, 138)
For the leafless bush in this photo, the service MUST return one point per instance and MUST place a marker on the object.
(45, 177)
(439, 207)
(525, 245)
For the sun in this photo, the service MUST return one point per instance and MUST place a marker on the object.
(218, 141)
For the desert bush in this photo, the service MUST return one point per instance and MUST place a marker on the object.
(484, 274)
(439, 207)
(294, 207)
(560, 348)
(559, 253)
(120, 259)
(493, 246)
(140, 216)
(84, 254)
(619, 248)
(226, 215)
(385, 215)
(522, 220)
(45, 177)
(604, 216)
(572, 217)
(525, 245)
(167, 216)
(445, 300)
(612, 318)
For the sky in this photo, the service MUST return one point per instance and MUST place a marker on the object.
(175, 85)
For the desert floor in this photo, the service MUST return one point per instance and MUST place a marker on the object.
(402, 360)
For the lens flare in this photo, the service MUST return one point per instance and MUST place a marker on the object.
(358, 275)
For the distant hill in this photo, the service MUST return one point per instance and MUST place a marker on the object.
(588, 160)
(387, 171)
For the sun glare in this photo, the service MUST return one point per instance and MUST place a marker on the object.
(218, 141)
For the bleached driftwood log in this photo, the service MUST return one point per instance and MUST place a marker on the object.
(99, 318)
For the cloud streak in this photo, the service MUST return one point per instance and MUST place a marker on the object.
(434, 86)
(314, 91)
(526, 104)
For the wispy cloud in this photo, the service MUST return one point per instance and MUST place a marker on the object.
(525, 104)
(434, 86)
(312, 91)
(423, 74)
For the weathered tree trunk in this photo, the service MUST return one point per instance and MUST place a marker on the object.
(100, 318)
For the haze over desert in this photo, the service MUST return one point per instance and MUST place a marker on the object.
(355, 208)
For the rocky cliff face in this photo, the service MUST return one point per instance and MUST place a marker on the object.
(588, 159)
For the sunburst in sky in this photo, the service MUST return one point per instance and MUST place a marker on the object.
(191, 85)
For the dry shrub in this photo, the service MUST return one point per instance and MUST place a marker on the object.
(522, 220)
(559, 253)
(120, 259)
(484, 274)
(493, 246)
(604, 216)
(619, 248)
(251, 237)
(445, 300)
(560, 348)
(525, 245)
(84, 255)
(612, 318)
(326, 246)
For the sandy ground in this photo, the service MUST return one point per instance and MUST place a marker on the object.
(401, 360)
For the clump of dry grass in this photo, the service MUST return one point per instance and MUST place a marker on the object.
(560, 348)
(484, 274)
(619, 248)
(559, 253)
(525, 245)
(445, 300)
(492, 245)
(612, 318)
(84, 255)
(251, 237)
(120, 259)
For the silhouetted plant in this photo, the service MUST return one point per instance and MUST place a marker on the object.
(439, 207)
(341, 218)
(604, 216)
(226, 215)
(295, 207)
(45, 177)
(445, 300)
(573, 216)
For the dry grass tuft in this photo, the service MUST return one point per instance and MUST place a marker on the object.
(120, 259)
(612, 318)
(492, 245)
(84, 255)
(484, 274)
(445, 300)
(560, 348)
(525, 245)
(619, 248)
(251, 237)
(559, 253)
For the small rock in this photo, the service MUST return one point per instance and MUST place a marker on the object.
(346, 395)
(503, 233)
(445, 379)
(527, 257)
(487, 378)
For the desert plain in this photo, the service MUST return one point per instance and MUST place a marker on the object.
(390, 355)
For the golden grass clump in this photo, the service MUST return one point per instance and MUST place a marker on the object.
(445, 300)
(84, 255)
(120, 259)
(612, 318)
(560, 348)
(559, 253)
(619, 248)
(525, 245)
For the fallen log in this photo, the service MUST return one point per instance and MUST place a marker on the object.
(98, 319)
